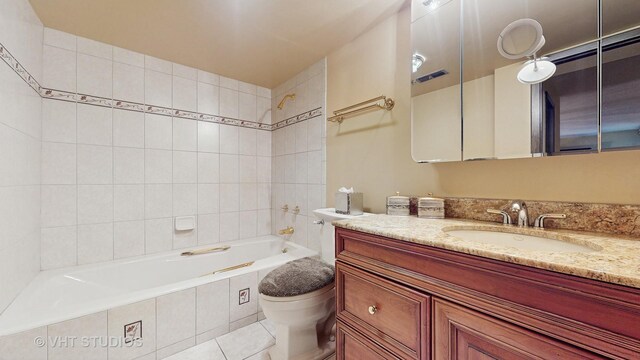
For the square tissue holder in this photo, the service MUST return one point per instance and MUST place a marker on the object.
(349, 203)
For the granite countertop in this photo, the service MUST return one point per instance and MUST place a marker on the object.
(610, 259)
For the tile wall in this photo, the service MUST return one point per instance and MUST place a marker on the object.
(20, 134)
(298, 156)
(113, 180)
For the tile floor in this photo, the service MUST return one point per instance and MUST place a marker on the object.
(250, 342)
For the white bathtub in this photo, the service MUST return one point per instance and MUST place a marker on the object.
(63, 294)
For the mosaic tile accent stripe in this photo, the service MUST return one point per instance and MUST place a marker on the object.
(602, 218)
(54, 94)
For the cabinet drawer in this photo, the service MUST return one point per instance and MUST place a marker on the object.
(395, 316)
(353, 346)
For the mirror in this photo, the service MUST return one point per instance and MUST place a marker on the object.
(500, 103)
(435, 90)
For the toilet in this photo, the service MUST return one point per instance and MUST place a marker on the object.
(299, 299)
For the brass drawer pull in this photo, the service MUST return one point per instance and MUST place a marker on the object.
(373, 309)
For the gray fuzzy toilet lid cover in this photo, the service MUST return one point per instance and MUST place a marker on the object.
(297, 277)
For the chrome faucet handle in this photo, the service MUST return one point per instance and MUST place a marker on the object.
(539, 223)
(506, 218)
(520, 207)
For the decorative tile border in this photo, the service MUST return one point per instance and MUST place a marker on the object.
(602, 218)
(54, 94)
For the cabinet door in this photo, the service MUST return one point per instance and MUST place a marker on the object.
(461, 333)
(353, 346)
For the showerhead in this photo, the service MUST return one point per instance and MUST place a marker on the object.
(284, 100)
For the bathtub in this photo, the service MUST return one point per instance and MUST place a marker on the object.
(58, 295)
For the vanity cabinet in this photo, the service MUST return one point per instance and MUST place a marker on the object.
(403, 300)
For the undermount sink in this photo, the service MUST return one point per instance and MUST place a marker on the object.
(519, 241)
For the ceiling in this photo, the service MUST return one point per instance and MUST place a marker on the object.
(257, 41)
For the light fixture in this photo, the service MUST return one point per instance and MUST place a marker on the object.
(523, 38)
(416, 61)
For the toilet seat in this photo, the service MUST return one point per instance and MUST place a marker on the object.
(306, 296)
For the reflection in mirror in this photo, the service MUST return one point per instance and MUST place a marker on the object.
(435, 86)
(619, 15)
(621, 91)
(497, 108)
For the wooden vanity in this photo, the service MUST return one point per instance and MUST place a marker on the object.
(402, 300)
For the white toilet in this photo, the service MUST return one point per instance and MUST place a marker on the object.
(303, 318)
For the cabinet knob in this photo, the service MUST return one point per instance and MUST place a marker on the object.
(373, 309)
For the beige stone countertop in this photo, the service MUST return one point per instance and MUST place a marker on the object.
(611, 259)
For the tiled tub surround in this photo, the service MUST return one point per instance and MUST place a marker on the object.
(602, 218)
(175, 307)
(612, 259)
(20, 139)
(298, 156)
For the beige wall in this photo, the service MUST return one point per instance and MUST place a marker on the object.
(372, 152)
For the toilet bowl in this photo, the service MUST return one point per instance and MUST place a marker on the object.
(303, 324)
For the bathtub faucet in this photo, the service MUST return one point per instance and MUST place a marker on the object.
(288, 231)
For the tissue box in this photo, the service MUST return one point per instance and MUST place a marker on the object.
(349, 203)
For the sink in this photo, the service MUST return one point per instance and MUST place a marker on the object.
(330, 214)
(519, 241)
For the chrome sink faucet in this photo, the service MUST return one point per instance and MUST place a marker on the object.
(519, 207)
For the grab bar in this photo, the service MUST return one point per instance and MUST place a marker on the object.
(205, 251)
(234, 267)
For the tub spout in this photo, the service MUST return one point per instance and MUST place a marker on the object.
(288, 231)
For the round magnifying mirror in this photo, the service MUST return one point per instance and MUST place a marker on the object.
(520, 39)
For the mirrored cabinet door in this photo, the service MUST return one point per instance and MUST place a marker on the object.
(620, 75)
(435, 82)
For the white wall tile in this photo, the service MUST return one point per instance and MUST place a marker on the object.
(301, 168)
(228, 83)
(95, 76)
(263, 110)
(95, 164)
(156, 64)
(158, 166)
(208, 229)
(248, 197)
(119, 317)
(208, 98)
(128, 57)
(229, 226)
(290, 140)
(158, 132)
(58, 247)
(59, 71)
(247, 88)
(208, 137)
(229, 197)
(158, 235)
(263, 222)
(22, 346)
(95, 243)
(58, 163)
(263, 169)
(301, 136)
(185, 199)
(185, 167)
(95, 204)
(128, 82)
(128, 165)
(238, 283)
(128, 202)
(264, 196)
(229, 169)
(158, 88)
(301, 198)
(289, 169)
(213, 305)
(247, 169)
(94, 48)
(185, 72)
(128, 239)
(59, 205)
(94, 125)
(208, 198)
(94, 325)
(185, 239)
(229, 139)
(208, 168)
(185, 95)
(59, 39)
(263, 143)
(185, 134)
(208, 78)
(158, 201)
(249, 221)
(58, 121)
(176, 317)
(247, 107)
(128, 128)
(229, 103)
(314, 167)
(247, 141)
(263, 92)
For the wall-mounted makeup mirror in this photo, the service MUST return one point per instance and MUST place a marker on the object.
(510, 105)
